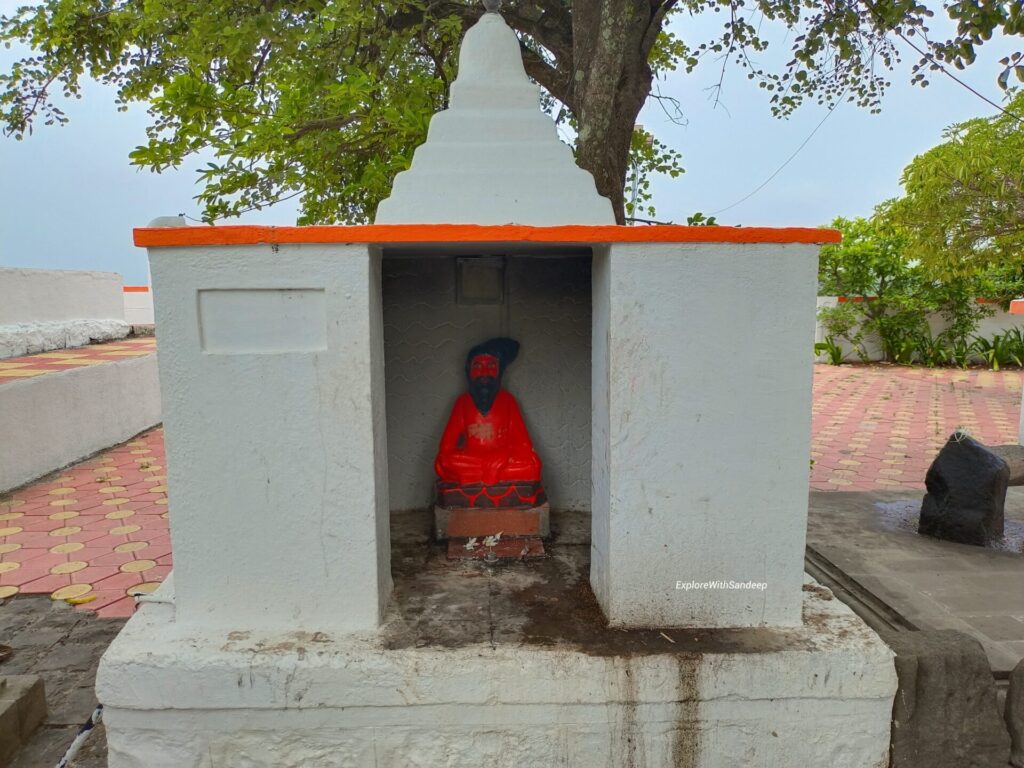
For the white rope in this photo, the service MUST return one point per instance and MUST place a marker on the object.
(83, 735)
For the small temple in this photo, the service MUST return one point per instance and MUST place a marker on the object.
(500, 500)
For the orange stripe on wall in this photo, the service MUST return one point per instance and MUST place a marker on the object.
(157, 237)
(136, 289)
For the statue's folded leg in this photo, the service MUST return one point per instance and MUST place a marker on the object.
(461, 468)
(525, 468)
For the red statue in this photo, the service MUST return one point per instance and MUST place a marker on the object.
(486, 442)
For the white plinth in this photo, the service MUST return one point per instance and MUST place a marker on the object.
(701, 432)
(271, 368)
(175, 697)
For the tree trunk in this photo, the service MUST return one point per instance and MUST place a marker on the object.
(611, 81)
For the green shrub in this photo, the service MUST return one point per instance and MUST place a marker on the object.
(899, 295)
(831, 349)
(998, 352)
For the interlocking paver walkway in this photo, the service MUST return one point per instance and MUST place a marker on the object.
(97, 532)
(15, 368)
(878, 427)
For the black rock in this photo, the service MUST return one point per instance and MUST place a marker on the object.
(966, 491)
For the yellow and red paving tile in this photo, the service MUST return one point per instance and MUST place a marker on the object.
(96, 533)
(16, 368)
(878, 427)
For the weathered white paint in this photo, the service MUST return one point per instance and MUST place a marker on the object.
(177, 696)
(47, 422)
(274, 379)
(427, 334)
(702, 409)
(493, 157)
(44, 309)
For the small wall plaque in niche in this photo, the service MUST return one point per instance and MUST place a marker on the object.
(262, 321)
(480, 280)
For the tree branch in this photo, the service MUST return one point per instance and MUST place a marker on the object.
(547, 21)
(654, 28)
(556, 81)
(324, 124)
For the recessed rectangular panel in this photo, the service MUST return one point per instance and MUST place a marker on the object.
(480, 280)
(263, 321)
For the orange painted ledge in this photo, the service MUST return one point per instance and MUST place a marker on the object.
(135, 288)
(385, 234)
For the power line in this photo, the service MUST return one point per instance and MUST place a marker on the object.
(923, 55)
(788, 160)
(938, 65)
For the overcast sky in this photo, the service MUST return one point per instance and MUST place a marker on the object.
(69, 198)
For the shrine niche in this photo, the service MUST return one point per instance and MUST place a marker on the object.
(490, 498)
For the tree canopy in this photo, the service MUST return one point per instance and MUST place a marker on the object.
(326, 99)
(963, 207)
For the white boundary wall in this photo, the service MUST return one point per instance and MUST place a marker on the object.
(989, 326)
(44, 309)
(138, 306)
(50, 421)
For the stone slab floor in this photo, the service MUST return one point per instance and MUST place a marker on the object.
(63, 646)
(871, 538)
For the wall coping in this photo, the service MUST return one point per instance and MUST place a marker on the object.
(385, 234)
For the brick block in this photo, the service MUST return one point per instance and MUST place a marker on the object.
(461, 522)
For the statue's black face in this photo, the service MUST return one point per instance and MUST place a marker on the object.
(484, 381)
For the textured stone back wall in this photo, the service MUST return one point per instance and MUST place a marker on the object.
(427, 335)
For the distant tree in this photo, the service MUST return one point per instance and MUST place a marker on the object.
(963, 207)
(885, 296)
(327, 98)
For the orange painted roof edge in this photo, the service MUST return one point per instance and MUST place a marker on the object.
(156, 237)
(135, 288)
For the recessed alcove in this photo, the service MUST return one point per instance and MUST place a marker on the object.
(438, 305)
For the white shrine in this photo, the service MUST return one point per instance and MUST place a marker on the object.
(306, 371)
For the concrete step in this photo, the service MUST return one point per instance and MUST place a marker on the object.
(22, 710)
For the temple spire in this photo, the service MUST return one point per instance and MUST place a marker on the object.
(493, 157)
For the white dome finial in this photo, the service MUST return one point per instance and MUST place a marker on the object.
(492, 6)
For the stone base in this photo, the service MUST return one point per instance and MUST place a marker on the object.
(441, 684)
(465, 523)
(22, 710)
